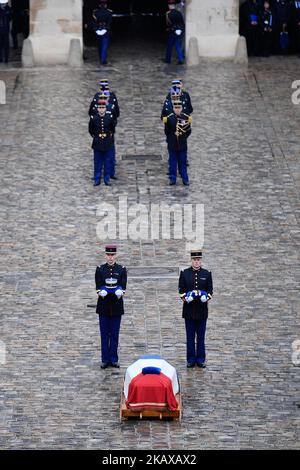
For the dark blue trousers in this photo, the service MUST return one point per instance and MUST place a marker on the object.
(4, 47)
(178, 158)
(109, 334)
(103, 42)
(102, 161)
(174, 41)
(195, 340)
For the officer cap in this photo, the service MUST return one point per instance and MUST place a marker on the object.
(101, 103)
(110, 249)
(111, 282)
(174, 91)
(3, 1)
(177, 81)
(196, 253)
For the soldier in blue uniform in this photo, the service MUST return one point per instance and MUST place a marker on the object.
(112, 98)
(266, 25)
(195, 290)
(177, 92)
(112, 106)
(102, 26)
(102, 128)
(177, 129)
(249, 25)
(5, 18)
(175, 29)
(110, 307)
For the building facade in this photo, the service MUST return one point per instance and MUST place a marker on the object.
(214, 25)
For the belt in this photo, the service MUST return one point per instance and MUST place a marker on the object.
(102, 136)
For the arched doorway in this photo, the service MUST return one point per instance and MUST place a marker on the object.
(139, 27)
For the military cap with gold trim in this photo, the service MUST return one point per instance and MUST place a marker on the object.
(110, 249)
(196, 253)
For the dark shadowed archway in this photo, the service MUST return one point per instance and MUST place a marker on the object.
(138, 25)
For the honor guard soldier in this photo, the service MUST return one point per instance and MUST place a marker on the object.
(102, 26)
(177, 129)
(102, 128)
(112, 98)
(266, 25)
(175, 30)
(195, 290)
(112, 106)
(5, 18)
(249, 18)
(177, 92)
(111, 280)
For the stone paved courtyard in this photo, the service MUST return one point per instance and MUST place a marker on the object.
(244, 167)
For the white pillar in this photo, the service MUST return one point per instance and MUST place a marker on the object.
(215, 24)
(53, 24)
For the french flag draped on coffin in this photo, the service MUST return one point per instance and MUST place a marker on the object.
(151, 383)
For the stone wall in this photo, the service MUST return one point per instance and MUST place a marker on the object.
(215, 24)
(53, 23)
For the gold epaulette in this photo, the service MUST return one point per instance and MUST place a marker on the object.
(190, 119)
(165, 118)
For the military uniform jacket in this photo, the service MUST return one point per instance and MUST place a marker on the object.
(174, 21)
(102, 130)
(266, 20)
(113, 104)
(177, 139)
(189, 280)
(103, 18)
(185, 98)
(110, 305)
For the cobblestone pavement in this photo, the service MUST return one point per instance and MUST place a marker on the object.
(244, 168)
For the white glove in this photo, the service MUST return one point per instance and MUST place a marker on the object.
(101, 32)
(203, 298)
(119, 293)
(189, 299)
(178, 32)
(102, 293)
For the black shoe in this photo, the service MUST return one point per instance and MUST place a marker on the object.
(165, 61)
(107, 183)
(202, 365)
(113, 178)
(172, 183)
(104, 365)
(116, 365)
(96, 183)
(190, 365)
(186, 183)
(180, 62)
(104, 62)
